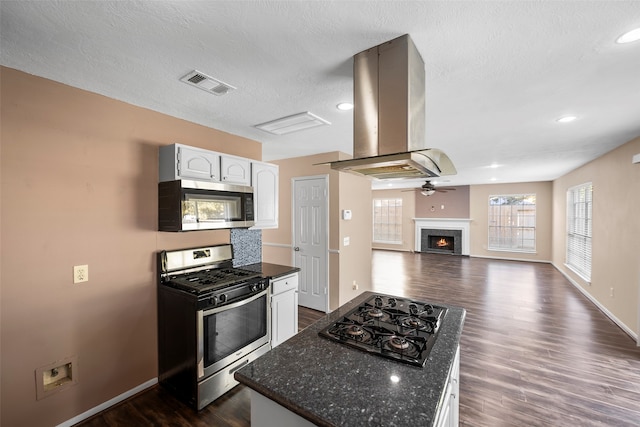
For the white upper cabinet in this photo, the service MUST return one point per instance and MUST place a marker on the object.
(179, 161)
(235, 170)
(264, 180)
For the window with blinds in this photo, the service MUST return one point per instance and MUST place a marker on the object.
(387, 221)
(512, 223)
(579, 221)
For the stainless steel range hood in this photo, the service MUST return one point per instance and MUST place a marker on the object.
(389, 116)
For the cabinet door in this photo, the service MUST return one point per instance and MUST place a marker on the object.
(235, 170)
(264, 179)
(284, 316)
(193, 163)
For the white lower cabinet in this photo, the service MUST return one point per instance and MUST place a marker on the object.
(284, 308)
(449, 414)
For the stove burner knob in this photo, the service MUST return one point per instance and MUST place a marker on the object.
(413, 308)
(254, 288)
(428, 308)
(392, 302)
(222, 298)
(213, 300)
(378, 302)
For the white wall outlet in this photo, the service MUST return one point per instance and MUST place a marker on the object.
(612, 293)
(346, 241)
(80, 273)
(355, 286)
(636, 158)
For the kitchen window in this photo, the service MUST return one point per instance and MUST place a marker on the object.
(387, 221)
(512, 223)
(579, 223)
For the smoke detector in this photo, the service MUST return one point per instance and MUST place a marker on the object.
(207, 83)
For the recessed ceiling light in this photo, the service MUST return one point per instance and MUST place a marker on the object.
(494, 165)
(345, 106)
(630, 36)
(566, 119)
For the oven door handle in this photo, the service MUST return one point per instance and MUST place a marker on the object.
(235, 304)
(200, 314)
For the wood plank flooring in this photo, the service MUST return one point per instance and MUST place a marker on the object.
(535, 351)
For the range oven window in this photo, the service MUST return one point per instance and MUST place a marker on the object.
(228, 331)
(199, 208)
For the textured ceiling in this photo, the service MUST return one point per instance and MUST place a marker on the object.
(498, 73)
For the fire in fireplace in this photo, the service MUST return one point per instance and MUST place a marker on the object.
(441, 243)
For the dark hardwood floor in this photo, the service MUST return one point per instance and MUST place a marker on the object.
(534, 350)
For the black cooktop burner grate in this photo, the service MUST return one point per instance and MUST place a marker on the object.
(391, 327)
(210, 279)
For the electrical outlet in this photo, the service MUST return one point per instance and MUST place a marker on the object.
(612, 293)
(80, 273)
(355, 285)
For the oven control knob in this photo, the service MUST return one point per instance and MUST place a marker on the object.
(222, 298)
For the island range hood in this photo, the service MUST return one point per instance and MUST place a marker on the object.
(389, 116)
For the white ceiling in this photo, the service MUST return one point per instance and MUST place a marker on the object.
(498, 73)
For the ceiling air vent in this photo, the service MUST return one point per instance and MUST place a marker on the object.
(207, 83)
(292, 123)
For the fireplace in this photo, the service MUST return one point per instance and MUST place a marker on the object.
(443, 227)
(441, 241)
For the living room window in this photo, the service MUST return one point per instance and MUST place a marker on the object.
(579, 222)
(387, 221)
(512, 222)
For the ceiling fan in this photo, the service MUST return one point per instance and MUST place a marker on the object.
(428, 189)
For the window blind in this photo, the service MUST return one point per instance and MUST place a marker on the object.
(579, 229)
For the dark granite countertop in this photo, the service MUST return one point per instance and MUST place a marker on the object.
(270, 271)
(331, 384)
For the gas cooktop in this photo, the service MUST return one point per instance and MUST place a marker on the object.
(396, 328)
(210, 279)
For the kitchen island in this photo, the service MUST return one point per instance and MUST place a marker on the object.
(312, 380)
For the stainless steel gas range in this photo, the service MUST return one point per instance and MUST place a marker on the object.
(212, 320)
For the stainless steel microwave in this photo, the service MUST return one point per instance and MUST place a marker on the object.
(185, 205)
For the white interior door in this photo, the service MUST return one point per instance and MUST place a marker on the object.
(310, 240)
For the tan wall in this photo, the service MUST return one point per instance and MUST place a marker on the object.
(355, 259)
(278, 243)
(479, 213)
(79, 186)
(408, 214)
(452, 204)
(616, 231)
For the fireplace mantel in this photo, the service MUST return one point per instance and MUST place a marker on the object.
(461, 224)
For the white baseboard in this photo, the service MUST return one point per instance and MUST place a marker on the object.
(511, 259)
(109, 403)
(602, 308)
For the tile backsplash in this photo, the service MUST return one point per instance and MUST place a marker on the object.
(247, 246)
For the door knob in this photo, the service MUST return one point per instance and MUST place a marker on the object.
(296, 249)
